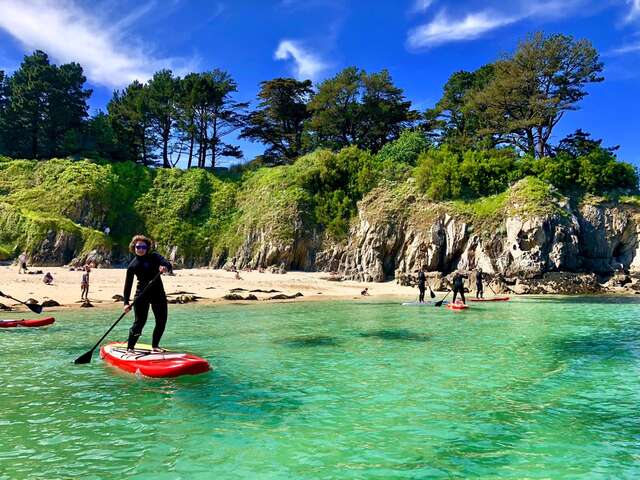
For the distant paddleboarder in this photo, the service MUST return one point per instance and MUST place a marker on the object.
(422, 282)
(145, 266)
(458, 286)
(479, 287)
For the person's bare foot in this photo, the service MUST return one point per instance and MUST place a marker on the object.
(158, 350)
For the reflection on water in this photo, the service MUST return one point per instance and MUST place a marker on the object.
(530, 389)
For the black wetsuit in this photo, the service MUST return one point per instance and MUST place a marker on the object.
(458, 287)
(479, 287)
(421, 285)
(145, 268)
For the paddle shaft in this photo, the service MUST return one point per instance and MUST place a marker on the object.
(33, 307)
(439, 304)
(90, 352)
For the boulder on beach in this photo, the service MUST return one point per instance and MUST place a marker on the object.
(233, 296)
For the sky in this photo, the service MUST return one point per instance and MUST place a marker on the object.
(420, 42)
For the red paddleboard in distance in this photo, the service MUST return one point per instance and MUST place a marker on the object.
(457, 306)
(37, 322)
(494, 299)
(150, 364)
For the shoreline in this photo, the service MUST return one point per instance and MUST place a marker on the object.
(209, 286)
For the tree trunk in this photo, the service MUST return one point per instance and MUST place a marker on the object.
(165, 148)
(214, 143)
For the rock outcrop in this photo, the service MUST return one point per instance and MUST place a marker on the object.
(537, 242)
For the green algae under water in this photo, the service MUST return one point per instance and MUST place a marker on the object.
(533, 388)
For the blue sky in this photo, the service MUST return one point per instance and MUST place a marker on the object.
(421, 42)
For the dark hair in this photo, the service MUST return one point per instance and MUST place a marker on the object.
(140, 238)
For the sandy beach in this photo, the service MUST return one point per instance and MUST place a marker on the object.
(207, 284)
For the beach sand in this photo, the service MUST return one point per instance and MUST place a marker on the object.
(211, 285)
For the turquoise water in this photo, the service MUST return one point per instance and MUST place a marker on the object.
(545, 388)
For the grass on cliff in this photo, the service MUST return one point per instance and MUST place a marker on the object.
(527, 197)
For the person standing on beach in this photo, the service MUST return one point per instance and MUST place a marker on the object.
(422, 281)
(22, 262)
(458, 286)
(146, 266)
(84, 283)
(479, 287)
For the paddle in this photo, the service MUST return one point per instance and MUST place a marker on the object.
(34, 307)
(431, 294)
(439, 303)
(494, 292)
(86, 357)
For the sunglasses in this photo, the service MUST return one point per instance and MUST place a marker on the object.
(141, 247)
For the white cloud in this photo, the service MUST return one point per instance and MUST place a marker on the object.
(69, 34)
(421, 6)
(634, 11)
(307, 65)
(631, 48)
(443, 30)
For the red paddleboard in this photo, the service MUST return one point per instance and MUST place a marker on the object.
(457, 306)
(149, 364)
(39, 322)
(494, 299)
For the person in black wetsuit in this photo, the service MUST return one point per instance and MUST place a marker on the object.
(145, 266)
(458, 286)
(479, 287)
(422, 280)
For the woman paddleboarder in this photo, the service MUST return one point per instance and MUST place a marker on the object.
(146, 266)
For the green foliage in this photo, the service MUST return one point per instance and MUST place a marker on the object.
(406, 149)
(454, 120)
(356, 108)
(186, 208)
(596, 172)
(337, 181)
(445, 175)
(43, 108)
(280, 118)
(531, 91)
(532, 196)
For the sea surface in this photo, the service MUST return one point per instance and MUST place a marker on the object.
(532, 388)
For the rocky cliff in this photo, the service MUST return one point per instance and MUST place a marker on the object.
(523, 235)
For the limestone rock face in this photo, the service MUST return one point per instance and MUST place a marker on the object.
(97, 258)
(388, 242)
(57, 248)
(608, 238)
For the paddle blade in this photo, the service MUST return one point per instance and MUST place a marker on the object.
(438, 303)
(433, 295)
(84, 358)
(34, 307)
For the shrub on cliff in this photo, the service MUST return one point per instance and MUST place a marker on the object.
(443, 174)
(336, 181)
(186, 209)
(596, 171)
